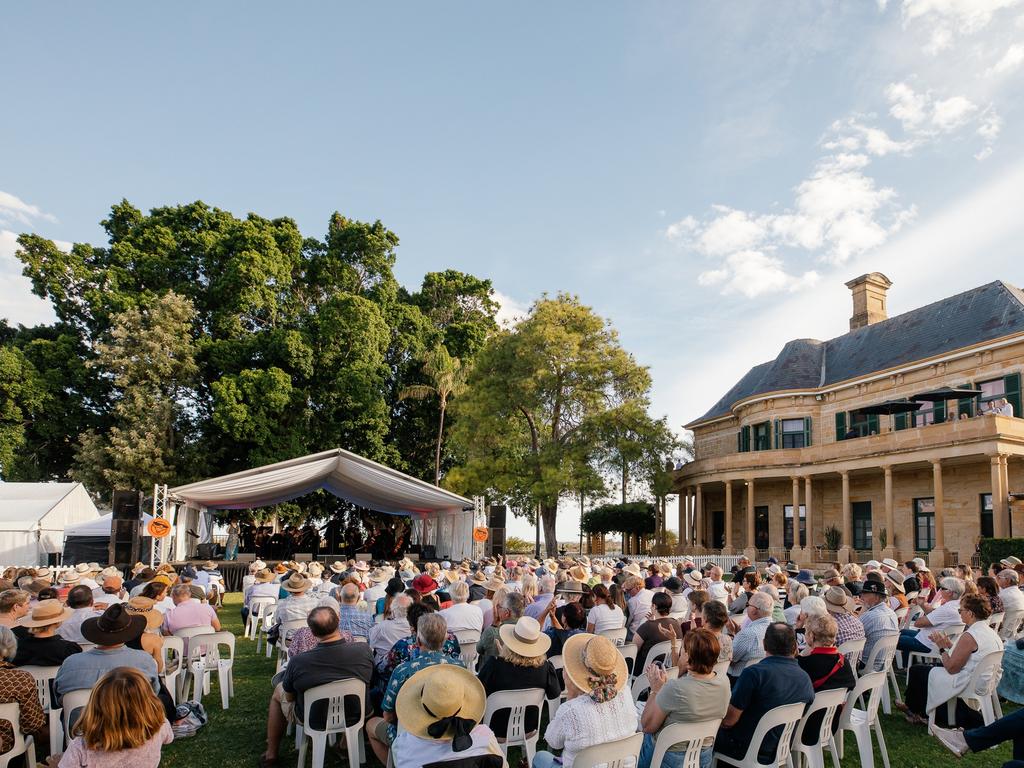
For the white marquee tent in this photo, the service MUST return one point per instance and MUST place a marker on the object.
(441, 518)
(33, 517)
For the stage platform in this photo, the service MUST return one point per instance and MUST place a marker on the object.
(234, 571)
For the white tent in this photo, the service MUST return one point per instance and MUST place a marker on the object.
(33, 517)
(447, 517)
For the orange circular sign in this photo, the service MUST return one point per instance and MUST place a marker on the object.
(158, 527)
(480, 534)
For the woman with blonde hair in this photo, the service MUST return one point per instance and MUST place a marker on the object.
(122, 725)
(529, 587)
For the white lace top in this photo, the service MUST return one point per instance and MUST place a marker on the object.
(580, 723)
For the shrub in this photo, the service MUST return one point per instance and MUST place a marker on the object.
(994, 550)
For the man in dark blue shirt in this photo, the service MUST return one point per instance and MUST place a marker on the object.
(774, 681)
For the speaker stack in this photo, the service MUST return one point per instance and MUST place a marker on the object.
(124, 528)
(496, 522)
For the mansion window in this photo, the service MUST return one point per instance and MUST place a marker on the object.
(761, 527)
(787, 526)
(788, 433)
(861, 512)
(924, 524)
(987, 526)
(855, 424)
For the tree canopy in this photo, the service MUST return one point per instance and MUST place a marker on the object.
(195, 342)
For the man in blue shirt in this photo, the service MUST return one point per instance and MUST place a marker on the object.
(774, 681)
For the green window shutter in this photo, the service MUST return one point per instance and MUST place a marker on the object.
(746, 438)
(1011, 387)
(807, 431)
(778, 433)
(900, 421)
(872, 423)
(840, 425)
(739, 441)
(940, 412)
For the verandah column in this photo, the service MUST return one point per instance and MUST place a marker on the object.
(937, 557)
(727, 549)
(751, 549)
(809, 550)
(684, 502)
(796, 552)
(698, 519)
(890, 516)
(1000, 522)
(845, 554)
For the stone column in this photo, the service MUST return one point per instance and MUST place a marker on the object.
(890, 517)
(797, 553)
(698, 521)
(999, 507)
(727, 549)
(751, 549)
(809, 551)
(937, 557)
(845, 554)
(684, 500)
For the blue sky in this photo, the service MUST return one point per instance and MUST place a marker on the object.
(706, 176)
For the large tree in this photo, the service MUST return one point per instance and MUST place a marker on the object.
(537, 403)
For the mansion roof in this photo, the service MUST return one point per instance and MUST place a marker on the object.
(973, 317)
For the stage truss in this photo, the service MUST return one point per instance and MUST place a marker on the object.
(161, 508)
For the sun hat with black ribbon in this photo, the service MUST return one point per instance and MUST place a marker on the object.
(442, 702)
(595, 666)
(114, 626)
(525, 637)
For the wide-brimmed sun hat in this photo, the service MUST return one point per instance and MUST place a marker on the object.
(362, 565)
(144, 606)
(70, 577)
(493, 585)
(479, 578)
(114, 626)
(693, 578)
(578, 573)
(923, 566)
(837, 600)
(888, 562)
(1009, 562)
(525, 637)
(872, 587)
(338, 567)
(895, 579)
(377, 576)
(296, 583)
(632, 569)
(593, 659)
(425, 584)
(45, 613)
(83, 568)
(806, 578)
(442, 702)
(264, 576)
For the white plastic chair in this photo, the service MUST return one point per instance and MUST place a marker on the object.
(559, 664)
(204, 659)
(257, 606)
(23, 745)
(188, 633)
(617, 636)
(828, 703)
(628, 652)
(980, 693)
(263, 628)
(788, 716)
(722, 668)
(861, 721)
(933, 657)
(690, 735)
(852, 650)
(44, 677)
(468, 639)
(1013, 624)
(174, 663)
(660, 652)
(285, 629)
(996, 621)
(335, 694)
(516, 702)
(622, 753)
(642, 685)
(72, 702)
(881, 658)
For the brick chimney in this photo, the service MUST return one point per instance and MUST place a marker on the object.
(868, 299)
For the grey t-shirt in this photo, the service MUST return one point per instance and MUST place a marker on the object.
(689, 700)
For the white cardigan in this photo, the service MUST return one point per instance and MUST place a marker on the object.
(942, 686)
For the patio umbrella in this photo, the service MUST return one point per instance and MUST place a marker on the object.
(890, 407)
(943, 394)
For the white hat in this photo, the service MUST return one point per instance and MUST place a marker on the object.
(888, 562)
(873, 564)
(921, 564)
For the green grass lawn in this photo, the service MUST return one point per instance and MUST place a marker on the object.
(237, 737)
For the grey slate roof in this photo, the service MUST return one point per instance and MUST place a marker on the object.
(973, 317)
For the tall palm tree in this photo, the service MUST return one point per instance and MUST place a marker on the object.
(448, 379)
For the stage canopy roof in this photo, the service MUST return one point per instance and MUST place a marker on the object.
(340, 472)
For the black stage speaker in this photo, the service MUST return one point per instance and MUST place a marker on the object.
(208, 551)
(497, 516)
(428, 552)
(124, 527)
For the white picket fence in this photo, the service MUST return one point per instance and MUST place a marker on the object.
(725, 562)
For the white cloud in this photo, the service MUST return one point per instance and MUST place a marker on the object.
(15, 210)
(906, 105)
(964, 17)
(753, 273)
(950, 114)
(17, 302)
(730, 231)
(1010, 61)
(510, 311)
(990, 125)
(681, 228)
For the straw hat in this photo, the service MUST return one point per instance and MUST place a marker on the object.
(83, 569)
(296, 583)
(1009, 562)
(524, 637)
(632, 569)
(587, 656)
(259, 565)
(315, 568)
(837, 600)
(143, 606)
(70, 577)
(888, 562)
(479, 578)
(162, 578)
(264, 576)
(437, 693)
(362, 565)
(43, 573)
(494, 585)
(47, 612)
(281, 568)
(895, 580)
(578, 573)
(923, 566)
(405, 564)
(453, 576)
(378, 576)
(338, 567)
(693, 578)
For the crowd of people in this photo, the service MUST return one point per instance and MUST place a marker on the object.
(432, 643)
